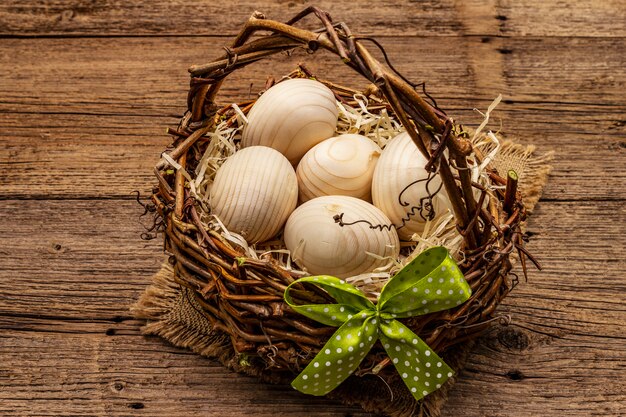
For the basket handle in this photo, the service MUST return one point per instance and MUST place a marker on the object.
(430, 129)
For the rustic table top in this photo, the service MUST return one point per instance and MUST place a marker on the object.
(86, 92)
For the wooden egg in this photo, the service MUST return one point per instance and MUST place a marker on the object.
(400, 185)
(292, 117)
(342, 165)
(322, 246)
(254, 193)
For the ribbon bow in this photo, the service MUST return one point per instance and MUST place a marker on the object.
(430, 283)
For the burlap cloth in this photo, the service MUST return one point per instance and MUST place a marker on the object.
(173, 313)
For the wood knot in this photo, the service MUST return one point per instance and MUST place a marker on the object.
(118, 386)
(515, 375)
(513, 338)
(313, 45)
(136, 406)
(57, 248)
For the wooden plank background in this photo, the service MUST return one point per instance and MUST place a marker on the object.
(86, 91)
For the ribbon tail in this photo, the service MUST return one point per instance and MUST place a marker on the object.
(340, 356)
(419, 366)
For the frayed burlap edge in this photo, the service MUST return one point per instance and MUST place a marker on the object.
(172, 312)
(532, 169)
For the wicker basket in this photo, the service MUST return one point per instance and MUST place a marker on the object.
(243, 297)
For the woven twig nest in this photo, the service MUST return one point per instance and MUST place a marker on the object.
(240, 291)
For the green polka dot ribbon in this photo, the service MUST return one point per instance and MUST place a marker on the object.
(431, 282)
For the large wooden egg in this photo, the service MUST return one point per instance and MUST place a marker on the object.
(322, 246)
(254, 193)
(341, 165)
(400, 186)
(292, 117)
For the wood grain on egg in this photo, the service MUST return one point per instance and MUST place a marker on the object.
(254, 193)
(342, 165)
(322, 246)
(292, 117)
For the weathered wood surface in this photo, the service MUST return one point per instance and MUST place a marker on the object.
(385, 17)
(84, 101)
